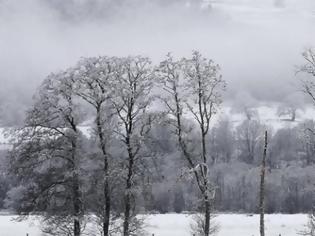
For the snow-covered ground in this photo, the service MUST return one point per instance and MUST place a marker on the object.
(179, 225)
(230, 224)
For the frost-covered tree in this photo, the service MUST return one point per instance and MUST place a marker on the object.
(93, 78)
(193, 90)
(47, 158)
(308, 142)
(204, 85)
(250, 112)
(248, 136)
(310, 226)
(289, 110)
(221, 141)
(134, 80)
(308, 86)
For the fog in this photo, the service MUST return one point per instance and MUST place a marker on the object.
(258, 43)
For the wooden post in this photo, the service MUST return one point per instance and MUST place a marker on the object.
(262, 188)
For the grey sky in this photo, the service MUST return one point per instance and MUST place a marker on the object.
(256, 43)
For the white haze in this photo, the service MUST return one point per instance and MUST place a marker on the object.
(256, 43)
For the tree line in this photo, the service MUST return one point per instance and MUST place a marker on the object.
(67, 176)
(145, 121)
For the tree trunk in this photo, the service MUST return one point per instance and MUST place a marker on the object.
(106, 189)
(293, 115)
(128, 191)
(207, 215)
(127, 214)
(262, 189)
(107, 208)
(76, 227)
(204, 169)
(77, 206)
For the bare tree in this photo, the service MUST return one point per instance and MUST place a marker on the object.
(205, 86)
(308, 86)
(132, 99)
(193, 90)
(93, 84)
(289, 110)
(307, 141)
(48, 156)
(250, 112)
(248, 137)
(262, 188)
(221, 141)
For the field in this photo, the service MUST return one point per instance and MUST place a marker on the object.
(179, 225)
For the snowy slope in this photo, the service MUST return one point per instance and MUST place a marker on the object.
(4, 141)
(266, 114)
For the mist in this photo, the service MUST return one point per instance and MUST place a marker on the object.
(258, 44)
(115, 145)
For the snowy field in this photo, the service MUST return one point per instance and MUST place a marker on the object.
(179, 225)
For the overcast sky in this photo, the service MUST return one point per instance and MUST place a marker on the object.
(258, 43)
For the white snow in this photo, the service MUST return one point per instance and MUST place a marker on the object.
(4, 141)
(9, 227)
(230, 224)
(179, 225)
